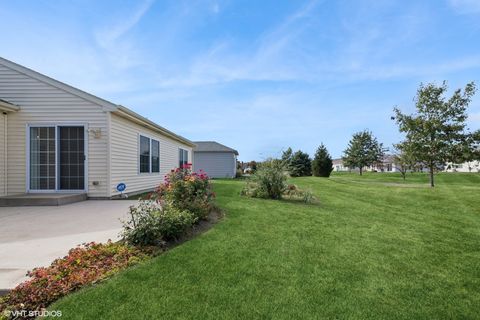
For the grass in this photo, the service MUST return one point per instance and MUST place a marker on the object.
(374, 247)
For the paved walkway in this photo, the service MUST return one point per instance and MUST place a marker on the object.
(35, 236)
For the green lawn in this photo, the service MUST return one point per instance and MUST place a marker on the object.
(373, 247)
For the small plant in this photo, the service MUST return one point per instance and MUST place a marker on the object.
(152, 223)
(295, 193)
(82, 266)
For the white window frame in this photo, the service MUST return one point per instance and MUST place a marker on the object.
(182, 149)
(150, 139)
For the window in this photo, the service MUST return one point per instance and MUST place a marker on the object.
(144, 154)
(149, 155)
(182, 157)
(155, 156)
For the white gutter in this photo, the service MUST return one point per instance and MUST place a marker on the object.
(135, 117)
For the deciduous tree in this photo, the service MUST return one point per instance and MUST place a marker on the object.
(437, 130)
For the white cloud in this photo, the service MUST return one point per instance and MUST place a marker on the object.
(110, 34)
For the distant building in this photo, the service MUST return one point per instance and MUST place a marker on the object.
(217, 160)
(386, 165)
(470, 166)
(338, 165)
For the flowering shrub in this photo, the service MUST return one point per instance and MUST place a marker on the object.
(186, 190)
(151, 223)
(83, 265)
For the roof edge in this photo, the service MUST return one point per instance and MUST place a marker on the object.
(129, 114)
(106, 105)
(8, 106)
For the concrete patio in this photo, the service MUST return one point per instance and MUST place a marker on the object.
(41, 199)
(35, 236)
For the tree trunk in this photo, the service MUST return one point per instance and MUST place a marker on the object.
(360, 170)
(431, 176)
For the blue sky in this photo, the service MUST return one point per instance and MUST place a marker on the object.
(258, 76)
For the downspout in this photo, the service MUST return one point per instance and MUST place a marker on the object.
(5, 157)
(109, 155)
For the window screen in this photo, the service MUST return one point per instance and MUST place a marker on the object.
(155, 156)
(182, 157)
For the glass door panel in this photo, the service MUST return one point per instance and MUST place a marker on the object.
(42, 158)
(71, 158)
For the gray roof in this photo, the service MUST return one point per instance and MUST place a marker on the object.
(212, 146)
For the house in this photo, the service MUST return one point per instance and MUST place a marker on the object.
(55, 138)
(338, 165)
(470, 166)
(386, 165)
(217, 160)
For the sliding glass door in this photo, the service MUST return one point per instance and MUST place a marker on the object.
(57, 158)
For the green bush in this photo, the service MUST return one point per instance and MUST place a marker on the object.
(269, 181)
(151, 223)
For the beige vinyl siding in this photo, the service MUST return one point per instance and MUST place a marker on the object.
(3, 154)
(42, 103)
(124, 150)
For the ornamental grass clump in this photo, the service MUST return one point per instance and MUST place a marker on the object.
(83, 265)
(268, 182)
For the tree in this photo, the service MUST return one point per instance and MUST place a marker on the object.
(436, 132)
(322, 164)
(287, 156)
(253, 165)
(403, 158)
(300, 165)
(363, 150)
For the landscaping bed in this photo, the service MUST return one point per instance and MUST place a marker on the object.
(366, 251)
(179, 209)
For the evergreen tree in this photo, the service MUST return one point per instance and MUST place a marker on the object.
(322, 164)
(363, 150)
(287, 157)
(300, 165)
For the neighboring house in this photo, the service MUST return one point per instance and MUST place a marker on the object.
(338, 165)
(471, 166)
(55, 138)
(217, 160)
(386, 165)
